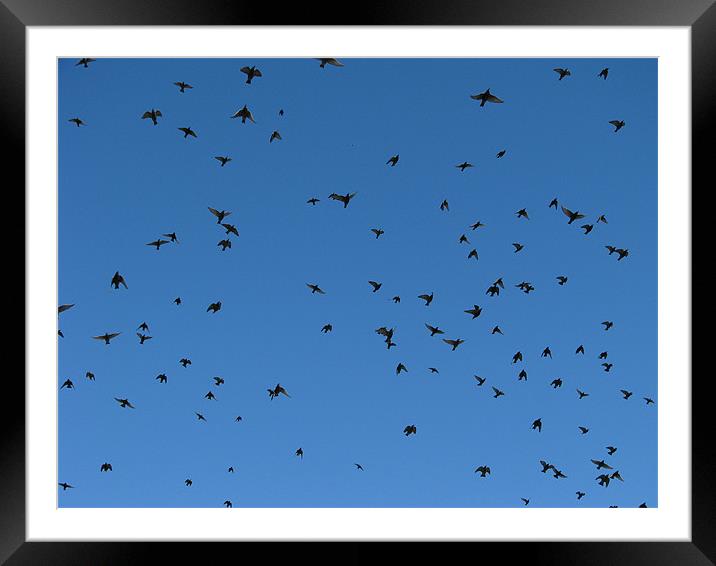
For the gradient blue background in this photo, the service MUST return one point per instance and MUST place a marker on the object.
(123, 182)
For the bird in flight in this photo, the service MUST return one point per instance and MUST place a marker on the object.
(244, 113)
(525, 501)
(106, 467)
(89, 375)
(498, 393)
(445, 206)
(275, 135)
(400, 367)
(393, 161)
(143, 338)
(618, 124)
(480, 380)
(358, 467)
(200, 417)
(299, 453)
(537, 425)
(124, 403)
(182, 86)
(562, 72)
(483, 470)
(410, 429)
(582, 394)
(473, 253)
(611, 450)
(188, 132)
(68, 384)
(118, 280)
(580, 349)
(220, 214)
(497, 330)
(501, 153)
(378, 232)
(313, 201)
(152, 115)
(228, 504)
(522, 213)
(329, 61)
(433, 330)
(214, 307)
(63, 308)
(626, 393)
(185, 362)
(583, 429)
(607, 324)
(572, 215)
(648, 400)
(218, 381)
(188, 482)
(65, 486)
(162, 378)
(601, 464)
(375, 285)
(453, 343)
(107, 337)
(278, 390)
(486, 96)
(77, 121)
(464, 165)
(474, 311)
(251, 72)
(210, 395)
(518, 247)
(223, 159)
(603, 73)
(327, 328)
(580, 494)
(158, 243)
(345, 199)
(85, 61)
(427, 298)
(315, 289)
(561, 279)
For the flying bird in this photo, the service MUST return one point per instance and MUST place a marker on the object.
(244, 114)
(497, 392)
(345, 199)
(562, 72)
(453, 343)
(182, 86)
(152, 115)
(220, 214)
(299, 452)
(410, 429)
(65, 486)
(400, 367)
(537, 425)
(158, 243)
(250, 72)
(375, 285)
(185, 362)
(223, 159)
(474, 311)
(378, 232)
(107, 337)
(214, 307)
(143, 338)
(393, 161)
(464, 165)
(118, 280)
(501, 153)
(106, 467)
(433, 330)
(124, 403)
(427, 298)
(68, 384)
(77, 121)
(603, 73)
(188, 132)
(486, 96)
(275, 135)
(85, 61)
(572, 215)
(618, 124)
(315, 289)
(329, 61)
(483, 470)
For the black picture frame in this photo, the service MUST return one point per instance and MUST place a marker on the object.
(16, 15)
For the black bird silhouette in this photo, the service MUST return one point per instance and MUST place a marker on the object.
(546, 467)
(601, 464)
(587, 228)
(106, 467)
(172, 237)
(547, 353)
(518, 246)
(603, 73)
(493, 290)
(220, 214)
(580, 349)
(474, 311)
(107, 337)
(501, 153)
(580, 494)
(562, 72)
(188, 132)
(280, 112)
(158, 243)
(648, 401)
(299, 452)
(162, 378)
(177, 301)
(250, 72)
(427, 298)
(200, 417)
(522, 376)
(375, 285)
(85, 61)
(275, 135)
(182, 86)
(77, 121)
(603, 480)
(188, 482)
(537, 424)
(65, 486)
(480, 380)
(616, 476)
(244, 114)
(433, 370)
(558, 473)
(583, 429)
(607, 324)
(626, 393)
(572, 215)
(393, 161)
(553, 203)
(603, 355)
(611, 450)
(358, 467)
(453, 343)
(517, 357)
(63, 308)
(522, 213)
(561, 279)
(433, 329)
(313, 201)
(185, 362)
(497, 330)
(210, 395)
(484, 470)
(278, 390)
(464, 165)
(224, 244)
(486, 96)
(400, 367)
(230, 229)
(152, 115)
(345, 199)
(526, 287)
(223, 159)
(329, 61)
(68, 383)
(618, 124)
(444, 205)
(218, 381)
(556, 383)
(410, 429)
(228, 504)
(124, 403)
(118, 280)
(497, 392)
(463, 240)
(622, 253)
(396, 299)
(327, 328)
(378, 232)
(582, 394)
(476, 225)
(89, 375)
(526, 501)
(611, 249)
(315, 289)
(214, 307)
(602, 218)
(143, 338)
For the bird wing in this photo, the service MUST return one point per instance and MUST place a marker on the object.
(493, 98)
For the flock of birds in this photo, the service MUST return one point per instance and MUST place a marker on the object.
(606, 472)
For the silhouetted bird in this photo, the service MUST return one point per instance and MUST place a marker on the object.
(124, 403)
(65, 486)
(63, 308)
(572, 215)
(200, 417)
(185, 362)
(77, 121)
(329, 61)
(143, 338)
(583, 429)
(158, 243)
(518, 246)
(118, 280)
(183, 86)
(556, 383)
(496, 330)
(453, 343)
(188, 132)
(393, 161)
(444, 205)
(427, 298)
(562, 72)
(464, 165)
(358, 467)
(210, 395)
(410, 429)
(188, 482)
(162, 378)
(244, 114)
(483, 470)
(601, 464)
(327, 328)
(345, 199)
(537, 424)
(501, 153)
(480, 380)
(474, 311)
(626, 393)
(68, 384)
(603, 73)
(580, 349)
(648, 401)
(396, 299)
(223, 159)
(618, 124)
(400, 367)
(315, 289)
(498, 393)
(547, 353)
(522, 213)
(85, 61)
(561, 279)
(218, 381)
(220, 214)
(611, 450)
(517, 357)
(553, 203)
(378, 232)
(107, 337)
(214, 307)
(251, 72)
(375, 285)
(299, 452)
(105, 467)
(580, 494)
(486, 96)
(587, 228)
(313, 201)
(226, 243)
(89, 375)
(607, 324)
(153, 115)
(582, 394)
(177, 301)
(275, 135)
(228, 504)
(433, 329)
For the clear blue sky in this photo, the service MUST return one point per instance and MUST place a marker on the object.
(123, 182)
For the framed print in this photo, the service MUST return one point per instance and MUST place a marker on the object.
(422, 276)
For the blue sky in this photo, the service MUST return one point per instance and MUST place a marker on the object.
(123, 182)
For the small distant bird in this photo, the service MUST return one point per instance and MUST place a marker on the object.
(89, 375)
(345, 199)
(107, 337)
(275, 135)
(396, 299)
(250, 72)
(329, 61)
(162, 378)
(214, 307)
(280, 112)
(182, 86)
(616, 476)
(188, 132)
(547, 353)
(185, 362)
(463, 240)
(220, 214)
(244, 114)
(517, 357)
(177, 301)
(238, 419)
(480, 380)
(587, 228)
(68, 383)
(580, 494)
(562, 72)
(228, 504)
(582, 394)
(602, 218)
(554, 203)
(501, 153)
(143, 338)
(642, 506)
(158, 243)
(522, 213)
(474, 311)
(493, 290)
(327, 328)
(453, 343)
(427, 298)
(618, 124)
(486, 96)
(518, 246)
(433, 329)
(522, 376)
(526, 501)
(583, 429)
(172, 237)
(393, 161)
(445, 206)
(611, 450)
(299, 452)
(607, 324)
(601, 464)
(210, 395)
(497, 392)
(546, 467)
(200, 417)
(223, 159)
(188, 482)
(561, 279)
(558, 473)
(226, 243)
(648, 401)
(433, 370)
(603, 73)
(153, 115)
(375, 285)
(358, 467)
(526, 287)
(65, 486)
(484, 470)
(410, 429)
(106, 467)
(231, 469)
(218, 381)
(378, 232)
(603, 480)
(497, 330)
(537, 424)
(572, 215)
(556, 383)
(118, 280)
(77, 121)
(611, 249)
(315, 289)
(476, 225)
(626, 393)
(124, 403)
(85, 61)
(580, 349)
(464, 165)
(63, 308)
(230, 229)
(313, 201)
(622, 253)
(278, 390)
